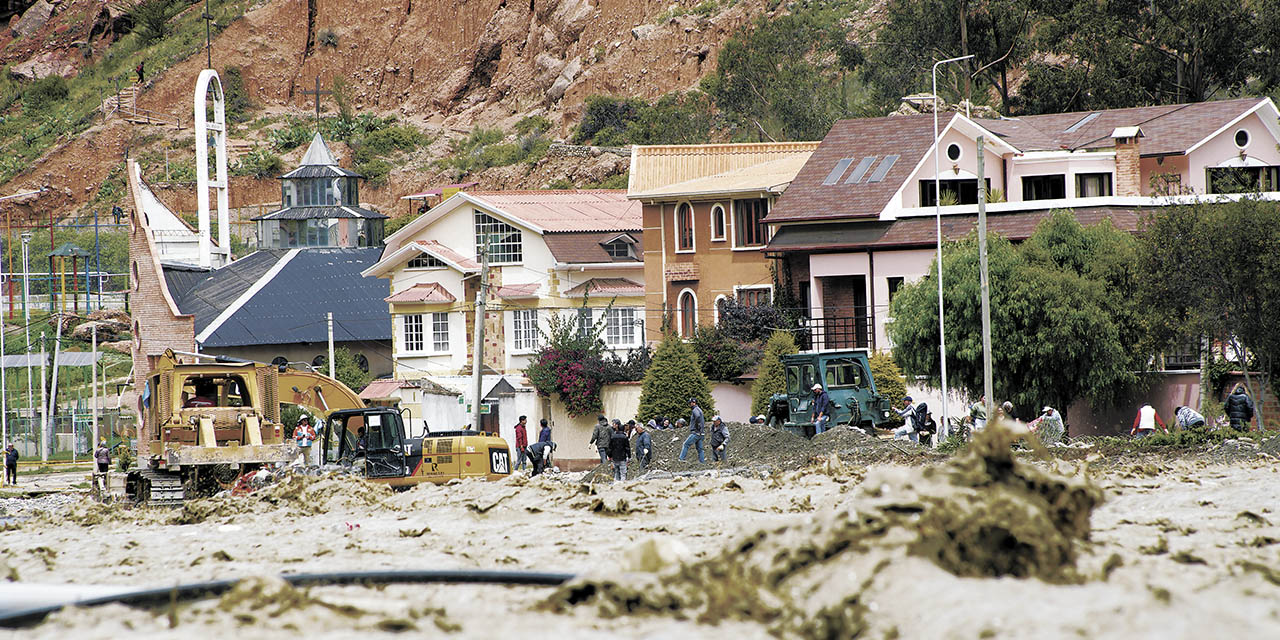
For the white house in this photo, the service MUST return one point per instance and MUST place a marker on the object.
(548, 250)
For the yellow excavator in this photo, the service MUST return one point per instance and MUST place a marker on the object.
(206, 422)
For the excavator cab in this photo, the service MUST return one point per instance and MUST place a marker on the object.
(373, 438)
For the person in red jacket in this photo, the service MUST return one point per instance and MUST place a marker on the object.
(522, 443)
(1144, 424)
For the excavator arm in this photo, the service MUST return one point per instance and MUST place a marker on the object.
(319, 394)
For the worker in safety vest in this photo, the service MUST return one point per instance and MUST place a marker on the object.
(304, 435)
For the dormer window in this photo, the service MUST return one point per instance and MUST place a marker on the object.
(621, 247)
(425, 261)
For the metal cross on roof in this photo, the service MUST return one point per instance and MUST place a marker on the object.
(317, 93)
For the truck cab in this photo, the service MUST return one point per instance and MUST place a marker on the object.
(846, 377)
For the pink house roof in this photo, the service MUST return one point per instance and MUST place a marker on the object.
(447, 254)
(572, 210)
(607, 287)
(423, 292)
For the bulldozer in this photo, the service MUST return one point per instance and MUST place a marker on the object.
(206, 423)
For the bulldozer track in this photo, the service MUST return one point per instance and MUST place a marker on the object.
(162, 488)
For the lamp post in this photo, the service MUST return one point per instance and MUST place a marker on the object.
(26, 322)
(937, 208)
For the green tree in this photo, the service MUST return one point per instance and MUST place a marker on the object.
(1059, 332)
(918, 32)
(151, 19)
(1213, 269)
(788, 77)
(347, 369)
(890, 382)
(721, 356)
(772, 376)
(672, 379)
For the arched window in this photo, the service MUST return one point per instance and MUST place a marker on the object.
(717, 223)
(279, 361)
(684, 227)
(688, 313)
(362, 362)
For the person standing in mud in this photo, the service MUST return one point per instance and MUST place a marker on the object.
(908, 430)
(978, 414)
(1239, 408)
(1049, 427)
(600, 437)
(696, 429)
(540, 455)
(545, 434)
(821, 409)
(522, 442)
(304, 435)
(11, 464)
(619, 451)
(719, 440)
(644, 444)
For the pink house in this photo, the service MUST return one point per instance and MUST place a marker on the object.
(858, 219)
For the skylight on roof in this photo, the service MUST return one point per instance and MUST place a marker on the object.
(1083, 121)
(838, 171)
(860, 170)
(883, 169)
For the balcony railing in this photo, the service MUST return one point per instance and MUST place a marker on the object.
(835, 333)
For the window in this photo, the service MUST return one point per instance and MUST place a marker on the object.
(688, 313)
(748, 222)
(1051, 187)
(1093, 185)
(755, 296)
(953, 152)
(317, 192)
(362, 362)
(843, 372)
(585, 325)
(620, 327)
(503, 239)
(1242, 138)
(424, 261)
(717, 223)
(1243, 179)
(619, 249)
(526, 329)
(684, 227)
(894, 283)
(439, 332)
(413, 337)
(953, 192)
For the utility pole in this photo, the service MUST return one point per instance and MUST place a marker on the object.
(44, 407)
(4, 386)
(93, 381)
(26, 322)
(987, 383)
(332, 368)
(477, 353)
(53, 387)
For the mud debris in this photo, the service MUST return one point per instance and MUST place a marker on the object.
(983, 514)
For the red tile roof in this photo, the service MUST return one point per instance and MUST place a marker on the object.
(570, 210)
(423, 292)
(607, 287)
(907, 137)
(516, 291)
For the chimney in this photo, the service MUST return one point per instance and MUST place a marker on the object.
(1128, 171)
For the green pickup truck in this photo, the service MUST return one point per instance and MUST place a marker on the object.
(846, 376)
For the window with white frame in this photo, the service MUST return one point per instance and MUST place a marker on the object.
(526, 329)
(424, 261)
(503, 239)
(439, 332)
(619, 249)
(755, 296)
(413, 333)
(684, 227)
(620, 327)
(717, 223)
(585, 324)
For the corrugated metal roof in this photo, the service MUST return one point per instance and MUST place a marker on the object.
(573, 210)
(448, 255)
(516, 291)
(291, 307)
(65, 359)
(321, 213)
(607, 287)
(425, 292)
(656, 166)
(318, 152)
(331, 171)
(765, 176)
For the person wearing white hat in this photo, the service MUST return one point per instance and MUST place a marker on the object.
(304, 435)
(1048, 427)
(821, 409)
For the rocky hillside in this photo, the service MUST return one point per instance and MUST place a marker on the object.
(443, 66)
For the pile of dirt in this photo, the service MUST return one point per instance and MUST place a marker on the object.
(303, 494)
(983, 514)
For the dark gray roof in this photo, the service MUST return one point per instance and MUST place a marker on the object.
(180, 277)
(320, 171)
(313, 213)
(205, 294)
(290, 306)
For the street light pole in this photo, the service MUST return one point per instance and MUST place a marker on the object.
(26, 323)
(937, 209)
